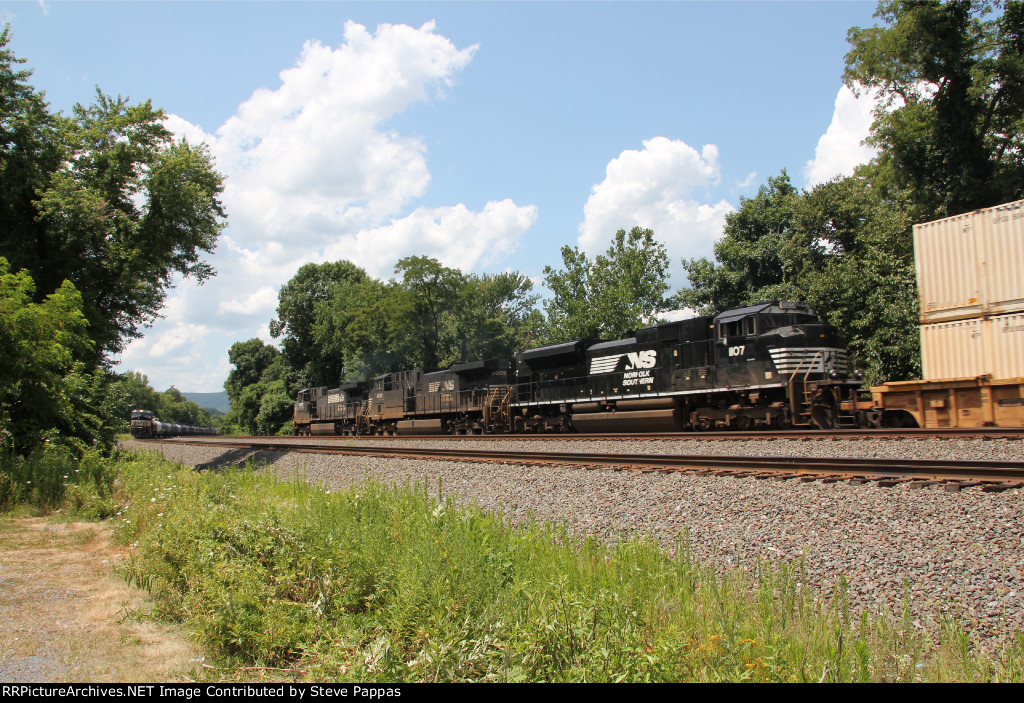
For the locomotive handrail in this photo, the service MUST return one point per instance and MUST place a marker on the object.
(794, 411)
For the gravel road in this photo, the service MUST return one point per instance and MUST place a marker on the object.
(958, 554)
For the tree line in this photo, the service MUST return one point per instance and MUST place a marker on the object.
(336, 323)
(98, 210)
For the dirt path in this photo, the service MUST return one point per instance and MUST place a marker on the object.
(65, 614)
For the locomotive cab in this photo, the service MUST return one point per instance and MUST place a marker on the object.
(142, 424)
(789, 359)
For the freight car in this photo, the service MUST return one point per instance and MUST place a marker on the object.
(773, 365)
(970, 272)
(145, 426)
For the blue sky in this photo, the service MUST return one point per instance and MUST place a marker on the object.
(485, 134)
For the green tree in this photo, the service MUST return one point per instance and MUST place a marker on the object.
(250, 359)
(131, 391)
(98, 211)
(29, 152)
(758, 257)
(337, 323)
(844, 247)
(952, 79)
(174, 407)
(496, 316)
(432, 294)
(106, 199)
(860, 273)
(370, 324)
(307, 322)
(262, 389)
(39, 375)
(620, 290)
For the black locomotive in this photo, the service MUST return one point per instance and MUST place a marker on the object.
(773, 365)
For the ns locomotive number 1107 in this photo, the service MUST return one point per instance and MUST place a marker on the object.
(773, 365)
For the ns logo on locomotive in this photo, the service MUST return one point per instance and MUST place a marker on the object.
(773, 365)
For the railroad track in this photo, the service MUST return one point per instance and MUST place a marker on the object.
(731, 435)
(953, 475)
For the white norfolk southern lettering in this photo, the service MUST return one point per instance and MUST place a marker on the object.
(645, 359)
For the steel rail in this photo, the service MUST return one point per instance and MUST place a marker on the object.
(988, 471)
(884, 433)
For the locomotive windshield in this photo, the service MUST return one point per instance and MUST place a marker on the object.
(743, 327)
(763, 318)
(773, 321)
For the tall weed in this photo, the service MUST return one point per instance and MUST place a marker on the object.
(56, 476)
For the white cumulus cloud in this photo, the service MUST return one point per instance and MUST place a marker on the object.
(840, 149)
(183, 129)
(314, 172)
(658, 187)
(311, 157)
(456, 236)
(181, 341)
(263, 303)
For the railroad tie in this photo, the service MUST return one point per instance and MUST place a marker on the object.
(957, 487)
(999, 487)
(923, 484)
(889, 482)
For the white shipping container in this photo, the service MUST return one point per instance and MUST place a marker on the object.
(981, 346)
(1002, 231)
(971, 264)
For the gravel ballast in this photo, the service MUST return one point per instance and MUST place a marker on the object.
(958, 554)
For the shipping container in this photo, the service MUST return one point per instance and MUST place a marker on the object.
(971, 265)
(980, 346)
(970, 277)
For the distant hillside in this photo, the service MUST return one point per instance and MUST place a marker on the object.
(217, 401)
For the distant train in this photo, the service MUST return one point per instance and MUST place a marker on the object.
(145, 426)
(773, 365)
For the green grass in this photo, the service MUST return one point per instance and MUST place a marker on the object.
(391, 584)
(53, 477)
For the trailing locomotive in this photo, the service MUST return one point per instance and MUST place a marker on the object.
(772, 365)
(145, 426)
